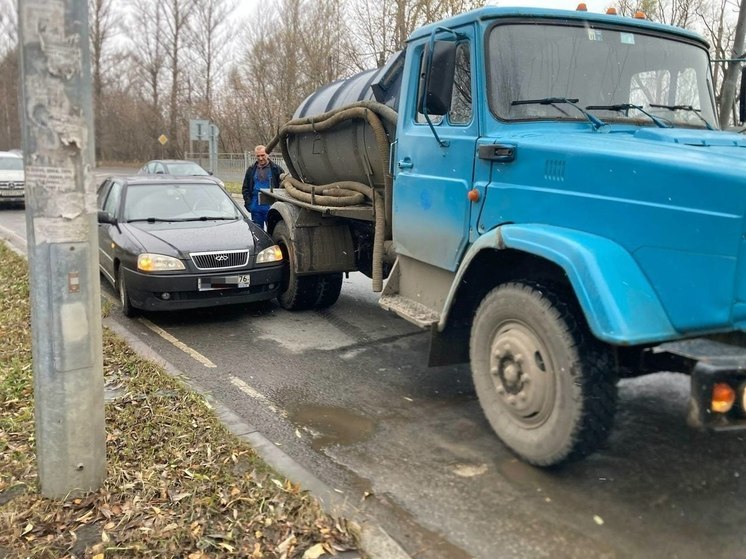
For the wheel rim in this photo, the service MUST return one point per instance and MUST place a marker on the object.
(522, 374)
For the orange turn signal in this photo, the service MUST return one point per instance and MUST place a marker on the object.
(473, 195)
(582, 7)
(640, 15)
(611, 11)
(723, 397)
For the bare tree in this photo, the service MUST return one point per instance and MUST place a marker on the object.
(10, 137)
(176, 17)
(730, 76)
(212, 27)
(102, 29)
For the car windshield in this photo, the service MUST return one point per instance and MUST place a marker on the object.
(186, 168)
(11, 164)
(614, 74)
(178, 202)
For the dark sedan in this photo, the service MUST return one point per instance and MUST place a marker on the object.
(175, 243)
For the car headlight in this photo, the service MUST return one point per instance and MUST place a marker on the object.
(147, 262)
(271, 254)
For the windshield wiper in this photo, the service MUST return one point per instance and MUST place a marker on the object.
(150, 219)
(626, 107)
(688, 108)
(206, 218)
(596, 122)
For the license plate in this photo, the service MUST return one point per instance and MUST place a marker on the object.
(205, 284)
(13, 193)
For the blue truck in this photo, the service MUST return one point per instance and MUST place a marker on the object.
(548, 193)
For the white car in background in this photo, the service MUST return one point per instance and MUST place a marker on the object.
(12, 177)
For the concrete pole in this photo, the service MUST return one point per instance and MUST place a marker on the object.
(57, 118)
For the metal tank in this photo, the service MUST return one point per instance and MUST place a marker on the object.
(349, 150)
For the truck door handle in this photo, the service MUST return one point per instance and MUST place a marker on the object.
(405, 163)
(497, 152)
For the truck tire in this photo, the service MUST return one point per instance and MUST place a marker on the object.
(297, 293)
(127, 309)
(330, 286)
(546, 385)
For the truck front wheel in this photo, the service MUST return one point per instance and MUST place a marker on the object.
(297, 292)
(546, 385)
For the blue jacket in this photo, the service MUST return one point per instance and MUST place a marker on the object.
(248, 181)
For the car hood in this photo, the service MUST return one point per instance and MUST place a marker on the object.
(180, 238)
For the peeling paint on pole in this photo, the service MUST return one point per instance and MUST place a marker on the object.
(62, 245)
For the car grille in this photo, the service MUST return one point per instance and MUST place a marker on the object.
(12, 184)
(220, 260)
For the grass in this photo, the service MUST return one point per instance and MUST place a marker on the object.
(178, 483)
(233, 187)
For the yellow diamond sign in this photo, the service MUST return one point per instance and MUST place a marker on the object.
(162, 139)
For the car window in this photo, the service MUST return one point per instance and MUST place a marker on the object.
(186, 168)
(103, 190)
(159, 168)
(179, 202)
(111, 206)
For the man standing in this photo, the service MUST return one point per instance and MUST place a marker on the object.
(262, 174)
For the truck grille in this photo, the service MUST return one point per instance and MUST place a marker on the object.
(11, 185)
(220, 260)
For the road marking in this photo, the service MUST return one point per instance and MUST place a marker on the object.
(246, 389)
(181, 345)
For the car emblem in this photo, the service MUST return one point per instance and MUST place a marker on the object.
(11, 185)
(221, 257)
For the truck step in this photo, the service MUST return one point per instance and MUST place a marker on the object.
(413, 311)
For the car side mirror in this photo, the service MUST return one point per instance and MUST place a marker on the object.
(210, 173)
(106, 217)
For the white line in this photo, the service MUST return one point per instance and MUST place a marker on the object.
(246, 389)
(181, 345)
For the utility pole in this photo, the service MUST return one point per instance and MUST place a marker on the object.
(57, 117)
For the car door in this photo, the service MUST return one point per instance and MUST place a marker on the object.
(433, 179)
(110, 197)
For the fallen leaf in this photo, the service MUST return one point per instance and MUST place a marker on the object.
(314, 552)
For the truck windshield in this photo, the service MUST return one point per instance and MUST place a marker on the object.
(604, 69)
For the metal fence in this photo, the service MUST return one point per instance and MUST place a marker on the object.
(231, 167)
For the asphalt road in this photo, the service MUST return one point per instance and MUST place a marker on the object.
(345, 392)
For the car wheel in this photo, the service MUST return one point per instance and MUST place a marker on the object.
(127, 309)
(296, 292)
(330, 286)
(546, 385)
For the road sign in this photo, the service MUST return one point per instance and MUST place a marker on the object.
(198, 129)
(162, 139)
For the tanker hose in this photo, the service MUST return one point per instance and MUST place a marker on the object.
(340, 192)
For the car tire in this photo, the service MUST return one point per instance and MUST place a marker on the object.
(330, 286)
(546, 385)
(127, 309)
(296, 292)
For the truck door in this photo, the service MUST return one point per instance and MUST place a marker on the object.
(431, 208)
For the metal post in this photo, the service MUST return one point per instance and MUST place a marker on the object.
(61, 229)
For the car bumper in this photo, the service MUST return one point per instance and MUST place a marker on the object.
(172, 292)
(12, 195)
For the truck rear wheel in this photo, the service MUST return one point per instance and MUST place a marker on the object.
(330, 286)
(297, 292)
(546, 385)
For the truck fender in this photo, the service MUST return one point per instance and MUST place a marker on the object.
(619, 304)
(281, 211)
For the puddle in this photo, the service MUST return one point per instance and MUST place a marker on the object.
(332, 425)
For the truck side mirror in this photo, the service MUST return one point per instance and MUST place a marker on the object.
(436, 78)
(742, 97)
